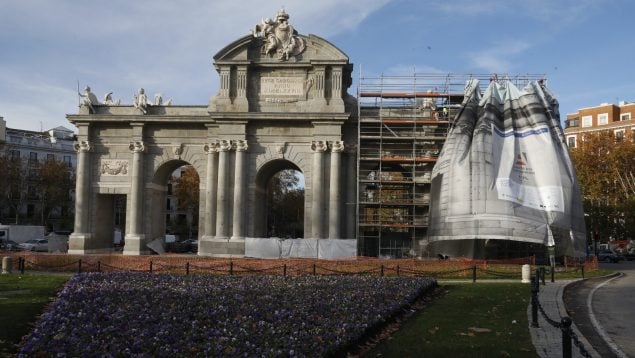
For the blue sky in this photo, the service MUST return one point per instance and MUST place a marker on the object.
(586, 48)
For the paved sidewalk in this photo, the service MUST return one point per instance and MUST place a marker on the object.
(546, 338)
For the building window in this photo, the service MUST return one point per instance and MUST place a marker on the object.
(30, 210)
(15, 154)
(619, 134)
(587, 121)
(33, 157)
(67, 160)
(571, 141)
(167, 203)
(32, 195)
(50, 157)
(169, 188)
(625, 116)
(603, 119)
(573, 122)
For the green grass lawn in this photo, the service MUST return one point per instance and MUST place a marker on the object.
(22, 300)
(469, 320)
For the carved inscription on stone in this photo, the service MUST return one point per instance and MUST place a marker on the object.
(114, 167)
(282, 86)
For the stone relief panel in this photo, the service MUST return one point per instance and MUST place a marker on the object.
(113, 167)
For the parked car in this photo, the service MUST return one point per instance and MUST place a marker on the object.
(35, 245)
(609, 256)
(9, 245)
(192, 244)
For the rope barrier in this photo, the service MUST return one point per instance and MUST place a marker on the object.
(50, 267)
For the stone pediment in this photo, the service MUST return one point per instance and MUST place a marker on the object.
(250, 49)
(275, 69)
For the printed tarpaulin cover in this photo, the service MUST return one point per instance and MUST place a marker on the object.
(505, 174)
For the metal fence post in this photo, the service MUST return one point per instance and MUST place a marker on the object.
(566, 337)
(150, 266)
(553, 272)
(187, 268)
(534, 302)
(542, 275)
(231, 268)
(284, 270)
(79, 266)
(582, 270)
(473, 273)
(382, 270)
(313, 269)
(21, 264)
(98, 266)
(397, 270)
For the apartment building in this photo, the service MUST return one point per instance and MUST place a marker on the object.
(34, 147)
(618, 118)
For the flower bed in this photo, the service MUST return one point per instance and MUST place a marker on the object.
(166, 315)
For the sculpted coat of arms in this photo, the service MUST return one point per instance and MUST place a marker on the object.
(279, 37)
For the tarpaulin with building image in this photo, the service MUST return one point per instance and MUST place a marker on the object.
(505, 176)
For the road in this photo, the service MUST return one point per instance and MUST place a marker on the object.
(612, 307)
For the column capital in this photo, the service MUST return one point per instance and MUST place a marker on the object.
(337, 146)
(137, 147)
(82, 146)
(240, 145)
(211, 147)
(319, 146)
(224, 145)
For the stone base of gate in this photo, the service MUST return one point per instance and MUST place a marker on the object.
(215, 247)
(135, 245)
(80, 243)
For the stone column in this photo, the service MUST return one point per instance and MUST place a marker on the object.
(134, 241)
(210, 190)
(238, 231)
(317, 205)
(221, 199)
(82, 186)
(335, 201)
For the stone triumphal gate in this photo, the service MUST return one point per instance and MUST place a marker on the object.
(282, 104)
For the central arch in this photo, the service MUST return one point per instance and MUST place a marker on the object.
(264, 175)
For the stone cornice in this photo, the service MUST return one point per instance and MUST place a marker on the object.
(279, 116)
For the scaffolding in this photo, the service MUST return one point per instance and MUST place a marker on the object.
(403, 124)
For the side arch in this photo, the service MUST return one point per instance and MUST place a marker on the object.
(157, 193)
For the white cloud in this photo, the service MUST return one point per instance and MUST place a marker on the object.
(498, 59)
(119, 46)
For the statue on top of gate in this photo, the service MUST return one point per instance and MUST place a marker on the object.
(279, 37)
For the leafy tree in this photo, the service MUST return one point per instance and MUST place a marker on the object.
(14, 184)
(186, 191)
(285, 199)
(54, 183)
(605, 167)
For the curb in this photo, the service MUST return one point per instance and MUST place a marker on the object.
(596, 324)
